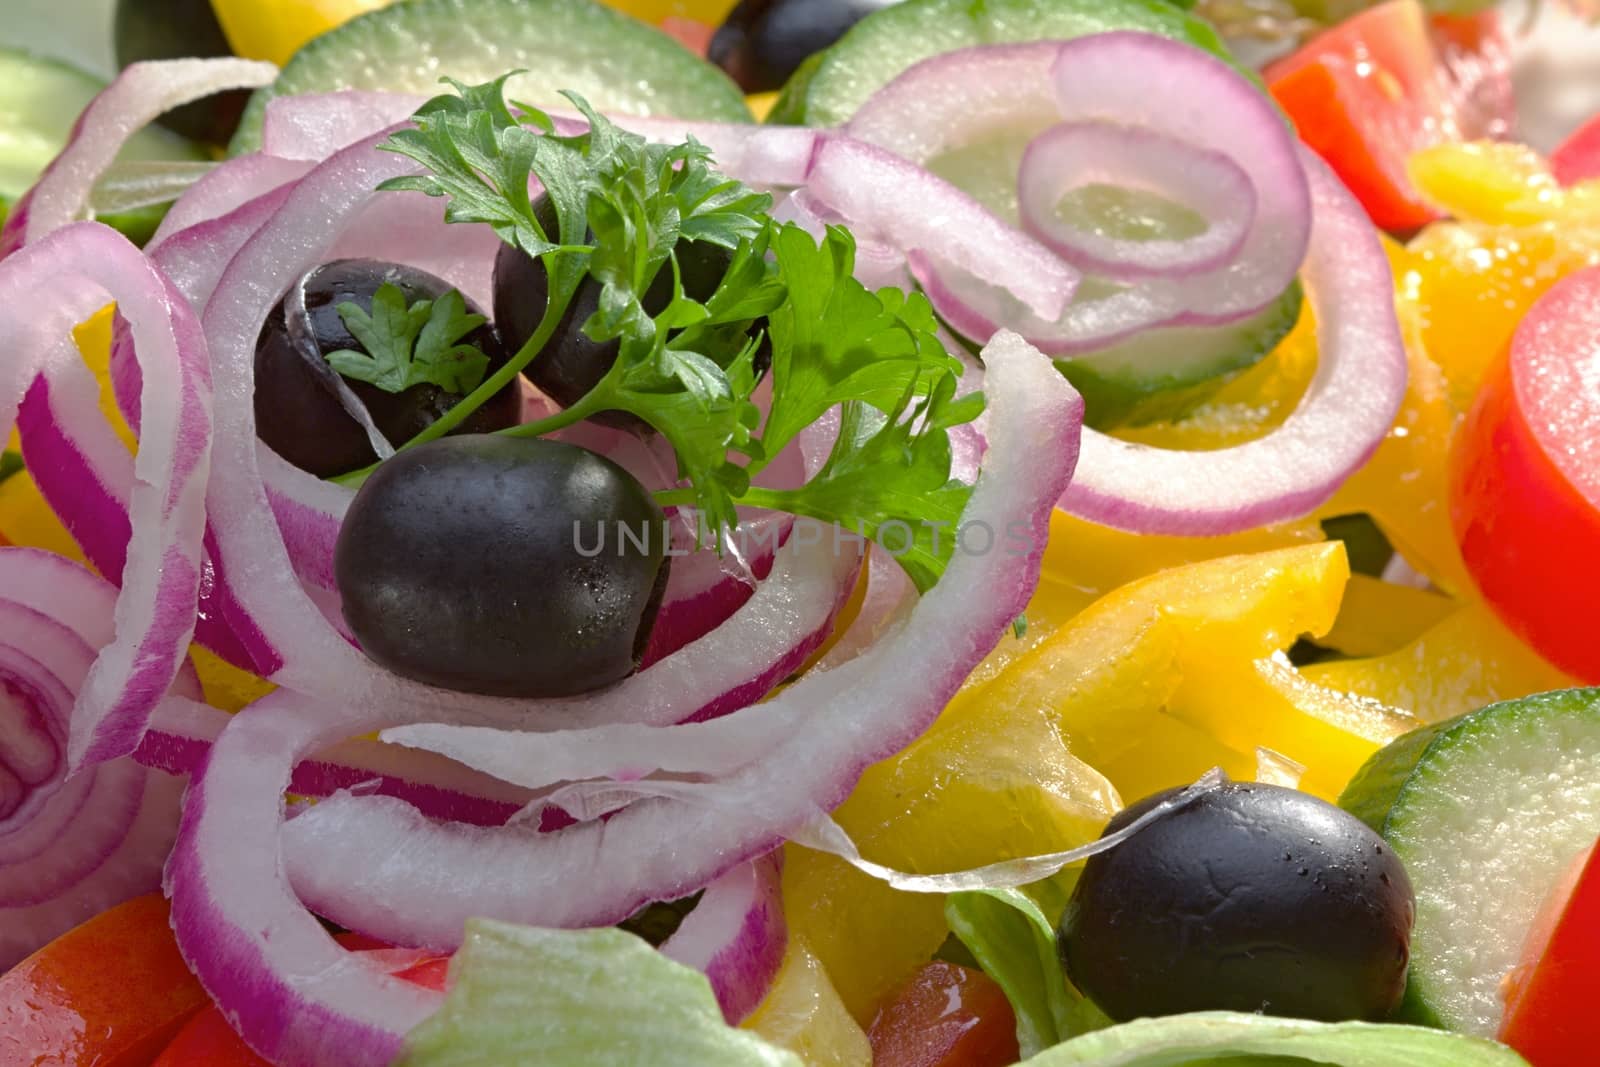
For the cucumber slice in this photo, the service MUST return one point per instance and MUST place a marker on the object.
(1163, 374)
(39, 101)
(828, 89)
(617, 62)
(1487, 812)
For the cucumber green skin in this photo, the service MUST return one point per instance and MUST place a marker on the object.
(40, 99)
(1378, 793)
(1204, 360)
(533, 35)
(829, 87)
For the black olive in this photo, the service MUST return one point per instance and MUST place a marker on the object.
(1251, 898)
(298, 410)
(502, 565)
(571, 364)
(762, 42)
(175, 29)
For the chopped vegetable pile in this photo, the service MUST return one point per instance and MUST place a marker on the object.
(1070, 542)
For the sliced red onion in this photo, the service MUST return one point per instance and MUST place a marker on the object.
(1162, 91)
(1072, 155)
(141, 93)
(313, 126)
(1006, 93)
(810, 743)
(226, 189)
(70, 846)
(182, 730)
(45, 289)
(736, 934)
(1347, 409)
(948, 234)
(284, 984)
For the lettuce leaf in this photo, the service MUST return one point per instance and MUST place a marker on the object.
(1213, 1038)
(577, 997)
(1009, 934)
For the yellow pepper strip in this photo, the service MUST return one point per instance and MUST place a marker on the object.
(1499, 182)
(761, 105)
(274, 30)
(1378, 617)
(1460, 664)
(1470, 284)
(1185, 644)
(802, 1012)
(25, 518)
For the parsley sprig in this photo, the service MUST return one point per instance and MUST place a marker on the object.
(411, 345)
(622, 206)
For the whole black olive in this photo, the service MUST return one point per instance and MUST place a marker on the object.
(1251, 898)
(502, 565)
(299, 412)
(762, 42)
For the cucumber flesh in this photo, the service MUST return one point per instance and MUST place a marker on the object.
(828, 90)
(1163, 374)
(40, 99)
(1487, 812)
(615, 61)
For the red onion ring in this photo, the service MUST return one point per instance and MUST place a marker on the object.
(182, 731)
(70, 846)
(736, 935)
(1347, 409)
(1104, 78)
(141, 93)
(1071, 155)
(947, 233)
(45, 289)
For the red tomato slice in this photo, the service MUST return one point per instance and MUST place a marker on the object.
(1370, 92)
(1578, 158)
(1550, 1016)
(1525, 478)
(945, 1016)
(111, 992)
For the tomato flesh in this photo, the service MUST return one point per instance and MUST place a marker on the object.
(1550, 1016)
(946, 1015)
(1525, 478)
(110, 992)
(1368, 93)
(1578, 158)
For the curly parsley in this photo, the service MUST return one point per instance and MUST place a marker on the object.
(622, 206)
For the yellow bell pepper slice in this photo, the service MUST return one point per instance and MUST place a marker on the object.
(1465, 661)
(802, 1012)
(1379, 617)
(274, 30)
(1499, 182)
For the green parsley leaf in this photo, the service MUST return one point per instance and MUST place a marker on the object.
(836, 341)
(622, 208)
(411, 345)
(888, 477)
